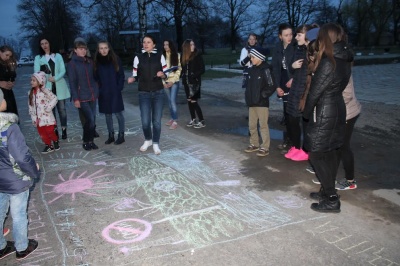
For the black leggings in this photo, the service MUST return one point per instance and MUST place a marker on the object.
(345, 153)
(194, 108)
(294, 130)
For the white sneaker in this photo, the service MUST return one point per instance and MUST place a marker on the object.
(146, 144)
(156, 149)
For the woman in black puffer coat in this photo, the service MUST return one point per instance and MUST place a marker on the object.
(326, 112)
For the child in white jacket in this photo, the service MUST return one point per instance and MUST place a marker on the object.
(41, 103)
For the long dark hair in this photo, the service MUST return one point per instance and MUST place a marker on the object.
(174, 53)
(111, 56)
(5, 48)
(328, 34)
(187, 54)
(41, 51)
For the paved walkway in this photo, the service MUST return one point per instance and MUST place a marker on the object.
(373, 83)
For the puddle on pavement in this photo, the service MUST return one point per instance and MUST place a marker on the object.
(244, 131)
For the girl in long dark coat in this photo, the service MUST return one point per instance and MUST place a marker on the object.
(326, 112)
(192, 69)
(110, 75)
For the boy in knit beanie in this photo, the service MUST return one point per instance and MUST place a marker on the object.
(260, 86)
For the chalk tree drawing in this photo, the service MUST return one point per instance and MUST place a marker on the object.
(201, 214)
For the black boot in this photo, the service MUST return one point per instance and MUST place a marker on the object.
(56, 131)
(64, 133)
(318, 195)
(110, 138)
(327, 204)
(121, 138)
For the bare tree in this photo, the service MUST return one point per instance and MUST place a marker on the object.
(299, 12)
(58, 19)
(175, 11)
(396, 20)
(271, 15)
(109, 17)
(380, 12)
(237, 12)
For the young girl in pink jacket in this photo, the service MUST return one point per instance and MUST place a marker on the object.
(41, 103)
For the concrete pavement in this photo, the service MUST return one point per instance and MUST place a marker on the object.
(203, 201)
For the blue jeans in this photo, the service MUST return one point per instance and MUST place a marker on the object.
(171, 94)
(151, 105)
(18, 204)
(62, 113)
(110, 123)
(88, 110)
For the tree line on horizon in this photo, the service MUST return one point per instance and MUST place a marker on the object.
(212, 23)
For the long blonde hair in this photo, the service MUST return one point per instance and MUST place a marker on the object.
(187, 54)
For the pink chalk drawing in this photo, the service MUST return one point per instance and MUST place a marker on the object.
(127, 231)
(79, 184)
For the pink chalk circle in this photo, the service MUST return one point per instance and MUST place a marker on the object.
(127, 231)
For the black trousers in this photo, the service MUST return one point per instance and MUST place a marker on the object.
(325, 165)
(294, 130)
(345, 153)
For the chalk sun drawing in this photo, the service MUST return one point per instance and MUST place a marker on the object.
(80, 184)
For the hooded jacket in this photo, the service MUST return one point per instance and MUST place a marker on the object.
(325, 108)
(17, 166)
(81, 79)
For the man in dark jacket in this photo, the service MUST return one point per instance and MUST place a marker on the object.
(259, 87)
(17, 171)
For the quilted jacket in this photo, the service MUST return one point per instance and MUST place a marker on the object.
(325, 108)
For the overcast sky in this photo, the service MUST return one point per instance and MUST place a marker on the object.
(8, 20)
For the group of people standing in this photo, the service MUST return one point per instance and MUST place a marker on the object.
(98, 80)
(313, 78)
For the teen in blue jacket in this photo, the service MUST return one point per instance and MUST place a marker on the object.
(84, 91)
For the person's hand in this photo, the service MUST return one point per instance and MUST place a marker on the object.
(297, 63)
(161, 74)
(51, 79)
(131, 80)
(77, 104)
(7, 84)
(168, 85)
(280, 92)
(289, 83)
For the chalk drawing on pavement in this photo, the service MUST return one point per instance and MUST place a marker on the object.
(193, 200)
(79, 184)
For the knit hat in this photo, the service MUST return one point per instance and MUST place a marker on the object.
(41, 77)
(312, 34)
(79, 39)
(258, 52)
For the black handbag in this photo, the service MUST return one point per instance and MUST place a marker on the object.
(193, 88)
(45, 68)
